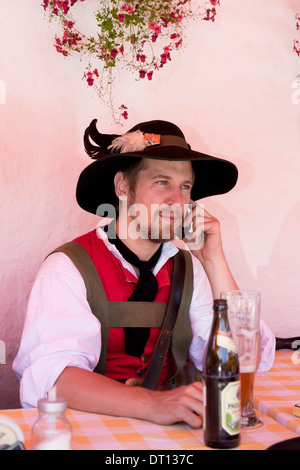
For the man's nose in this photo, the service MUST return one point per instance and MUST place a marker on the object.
(174, 196)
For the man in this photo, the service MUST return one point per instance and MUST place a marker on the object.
(150, 177)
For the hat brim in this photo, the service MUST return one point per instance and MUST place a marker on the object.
(213, 175)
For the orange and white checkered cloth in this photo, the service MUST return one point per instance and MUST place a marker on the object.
(100, 432)
(277, 390)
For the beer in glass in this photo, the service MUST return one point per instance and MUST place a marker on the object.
(244, 315)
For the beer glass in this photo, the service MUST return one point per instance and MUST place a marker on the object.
(244, 315)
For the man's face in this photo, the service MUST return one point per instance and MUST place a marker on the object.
(160, 199)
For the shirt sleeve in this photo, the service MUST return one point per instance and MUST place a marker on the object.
(267, 347)
(59, 330)
(201, 316)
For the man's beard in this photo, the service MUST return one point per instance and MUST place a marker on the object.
(165, 223)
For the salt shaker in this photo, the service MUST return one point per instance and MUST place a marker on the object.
(52, 430)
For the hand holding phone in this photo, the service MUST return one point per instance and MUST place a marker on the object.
(193, 226)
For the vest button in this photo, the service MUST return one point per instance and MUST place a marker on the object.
(140, 372)
(144, 358)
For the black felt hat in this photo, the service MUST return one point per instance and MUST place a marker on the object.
(159, 140)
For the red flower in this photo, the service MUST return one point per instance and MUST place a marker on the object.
(65, 36)
(127, 8)
(178, 43)
(165, 21)
(89, 78)
(163, 58)
(149, 75)
(296, 47)
(142, 73)
(125, 113)
(114, 52)
(69, 24)
(121, 17)
(45, 4)
(210, 14)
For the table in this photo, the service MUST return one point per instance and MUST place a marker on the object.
(275, 393)
(277, 390)
(96, 432)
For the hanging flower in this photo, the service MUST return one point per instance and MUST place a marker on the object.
(114, 52)
(121, 17)
(296, 47)
(128, 32)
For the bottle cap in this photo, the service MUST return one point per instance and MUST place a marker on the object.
(52, 404)
(220, 304)
(56, 406)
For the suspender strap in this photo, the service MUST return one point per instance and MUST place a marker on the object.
(165, 337)
(137, 314)
(182, 333)
(95, 292)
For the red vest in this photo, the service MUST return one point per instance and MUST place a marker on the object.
(119, 284)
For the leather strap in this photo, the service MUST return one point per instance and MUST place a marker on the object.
(164, 340)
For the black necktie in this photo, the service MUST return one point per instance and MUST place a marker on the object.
(146, 290)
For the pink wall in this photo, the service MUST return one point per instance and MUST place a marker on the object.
(230, 90)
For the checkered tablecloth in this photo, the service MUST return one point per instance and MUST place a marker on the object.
(275, 393)
(277, 390)
(99, 432)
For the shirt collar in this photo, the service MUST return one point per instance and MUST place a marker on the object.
(168, 251)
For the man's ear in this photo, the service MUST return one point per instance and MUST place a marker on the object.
(121, 185)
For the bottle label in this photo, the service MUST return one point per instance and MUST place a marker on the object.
(231, 407)
(224, 340)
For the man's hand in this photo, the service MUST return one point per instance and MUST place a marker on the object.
(206, 244)
(182, 404)
(204, 240)
(94, 393)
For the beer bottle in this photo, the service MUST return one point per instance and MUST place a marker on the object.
(221, 384)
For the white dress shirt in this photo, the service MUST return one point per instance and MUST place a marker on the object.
(60, 330)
